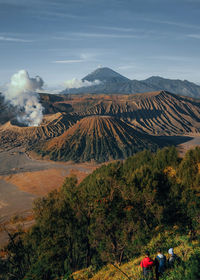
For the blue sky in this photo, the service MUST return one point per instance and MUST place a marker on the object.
(62, 39)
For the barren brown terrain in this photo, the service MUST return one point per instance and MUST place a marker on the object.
(99, 138)
(23, 179)
(156, 113)
(23, 175)
(116, 126)
(12, 134)
(87, 128)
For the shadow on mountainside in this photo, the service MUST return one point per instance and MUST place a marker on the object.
(173, 140)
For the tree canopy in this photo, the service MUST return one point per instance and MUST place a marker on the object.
(110, 216)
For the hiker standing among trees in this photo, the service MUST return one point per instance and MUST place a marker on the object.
(160, 262)
(173, 258)
(147, 264)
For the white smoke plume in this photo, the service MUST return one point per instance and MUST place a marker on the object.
(22, 93)
(75, 83)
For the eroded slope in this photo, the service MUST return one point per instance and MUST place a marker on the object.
(156, 113)
(13, 135)
(99, 138)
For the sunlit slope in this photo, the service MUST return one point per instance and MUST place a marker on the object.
(184, 248)
(13, 135)
(163, 113)
(156, 113)
(97, 138)
(110, 127)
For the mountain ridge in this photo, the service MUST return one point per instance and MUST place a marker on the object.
(115, 83)
(103, 127)
(155, 113)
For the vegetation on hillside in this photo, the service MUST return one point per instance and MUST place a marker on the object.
(187, 250)
(111, 217)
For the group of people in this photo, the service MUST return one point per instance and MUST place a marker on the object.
(160, 264)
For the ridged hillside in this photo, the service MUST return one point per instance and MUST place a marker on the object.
(156, 113)
(110, 127)
(13, 135)
(163, 113)
(99, 138)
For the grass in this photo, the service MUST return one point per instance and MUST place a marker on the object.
(187, 250)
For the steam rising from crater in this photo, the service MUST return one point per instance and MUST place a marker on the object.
(22, 94)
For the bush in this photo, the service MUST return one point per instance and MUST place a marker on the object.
(188, 270)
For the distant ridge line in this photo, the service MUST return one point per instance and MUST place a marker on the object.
(112, 82)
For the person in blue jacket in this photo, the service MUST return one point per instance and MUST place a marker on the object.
(160, 263)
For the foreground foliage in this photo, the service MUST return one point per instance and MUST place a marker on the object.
(188, 268)
(110, 217)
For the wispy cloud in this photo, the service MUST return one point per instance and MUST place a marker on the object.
(74, 36)
(106, 35)
(12, 39)
(127, 67)
(68, 61)
(194, 36)
(56, 15)
(65, 38)
(78, 56)
(91, 55)
(173, 23)
(171, 57)
(116, 28)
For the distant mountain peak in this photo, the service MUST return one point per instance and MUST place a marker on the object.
(154, 78)
(180, 87)
(105, 74)
(112, 82)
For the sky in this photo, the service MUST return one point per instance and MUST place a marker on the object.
(64, 39)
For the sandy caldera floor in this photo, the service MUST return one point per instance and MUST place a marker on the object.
(23, 179)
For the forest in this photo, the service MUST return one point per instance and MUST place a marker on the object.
(110, 218)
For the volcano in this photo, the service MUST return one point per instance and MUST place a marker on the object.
(102, 127)
(99, 138)
(115, 83)
(105, 74)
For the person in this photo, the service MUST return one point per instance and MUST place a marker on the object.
(160, 263)
(147, 264)
(173, 258)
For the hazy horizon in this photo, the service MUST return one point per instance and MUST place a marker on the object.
(61, 40)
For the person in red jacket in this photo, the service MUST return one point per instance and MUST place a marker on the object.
(147, 263)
